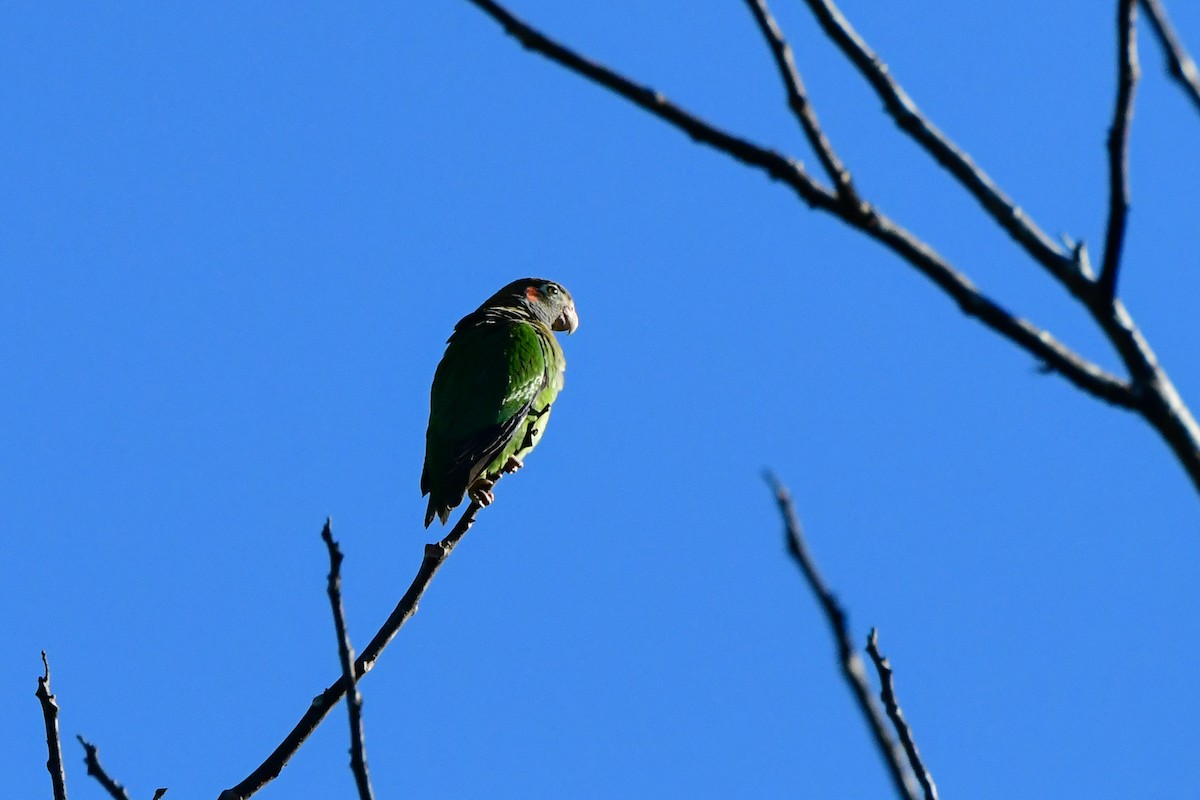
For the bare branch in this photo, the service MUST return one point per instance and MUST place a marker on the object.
(798, 101)
(888, 695)
(1039, 343)
(777, 166)
(114, 789)
(1179, 63)
(1118, 146)
(322, 704)
(909, 118)
(1149, 390)
(848, 658)
(358, 756)
(159, 792)
(54, 762)
(866, 218)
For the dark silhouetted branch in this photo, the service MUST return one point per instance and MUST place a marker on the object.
(903, 732)
(158, 793)
(114, 789)
(848, 659)
(1179, 64)
(777, 166)
(435, 555)
(866, 218)
(1148, 390)
(1118, 146)
(909, 118)
(358, 755)
(798, 101)
(54, 761)
(1040, 343)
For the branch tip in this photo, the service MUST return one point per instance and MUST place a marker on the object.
(92, 760)
(887, 694)
(49, 704)
(358, 758)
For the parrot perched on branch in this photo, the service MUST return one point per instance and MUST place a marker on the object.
(492, 392)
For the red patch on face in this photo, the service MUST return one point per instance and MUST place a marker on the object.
(532, 293)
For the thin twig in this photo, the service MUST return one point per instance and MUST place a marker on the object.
(54, 761)
(848, 658)
(435, 554)
(1118, 146)
(909, 118)
(798, 101)
(867, 218)
(115, 790)
(358, 754)
(887, 693)
(1179, 64)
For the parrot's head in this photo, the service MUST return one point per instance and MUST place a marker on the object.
(543, 300)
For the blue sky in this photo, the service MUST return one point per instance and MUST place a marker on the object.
(235, 238)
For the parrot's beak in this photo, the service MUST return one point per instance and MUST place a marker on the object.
(567, 321)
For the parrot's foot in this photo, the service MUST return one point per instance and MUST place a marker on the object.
(481, 492)
(512, 465)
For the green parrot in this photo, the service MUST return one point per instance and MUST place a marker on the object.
(492, 392)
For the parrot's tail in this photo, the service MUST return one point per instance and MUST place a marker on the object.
(437, 509)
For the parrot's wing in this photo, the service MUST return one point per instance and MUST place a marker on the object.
(470, 456)
(483, 392)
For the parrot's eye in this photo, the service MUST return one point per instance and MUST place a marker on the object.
(550, 289)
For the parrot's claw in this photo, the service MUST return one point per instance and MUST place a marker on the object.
(512, 465)
(481, 492)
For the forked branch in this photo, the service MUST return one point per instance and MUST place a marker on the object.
(802, 110)
(358, 753)
(848, 659)
(1007, 214)
(777, 166)
(868, 219)
(1148, 390)
(435, 555)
